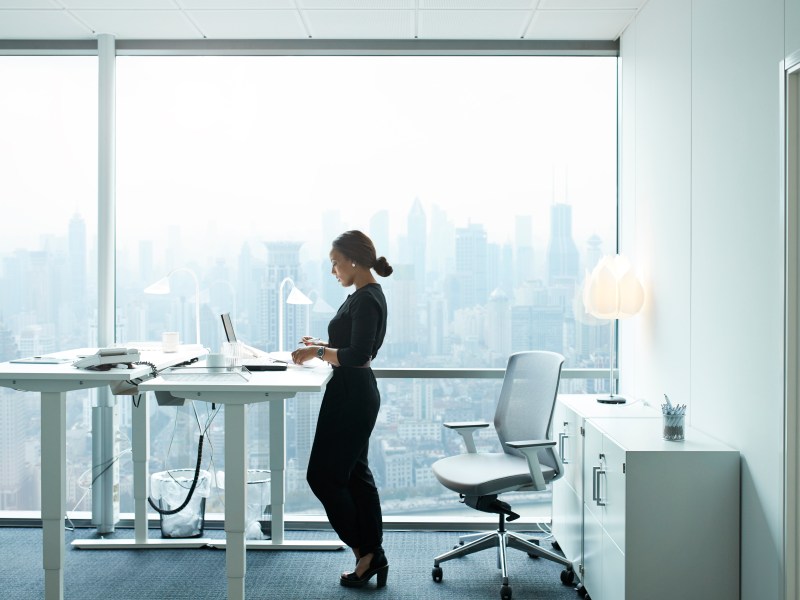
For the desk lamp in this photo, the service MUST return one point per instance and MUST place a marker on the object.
(295, 297)
(162, 287)
(612, 292)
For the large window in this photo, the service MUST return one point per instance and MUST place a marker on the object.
(488, 182)
(48, 297)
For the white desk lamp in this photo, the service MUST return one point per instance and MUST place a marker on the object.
(162, 287)
(295, 297)
(612, 291)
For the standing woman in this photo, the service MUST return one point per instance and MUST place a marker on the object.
(338, 472)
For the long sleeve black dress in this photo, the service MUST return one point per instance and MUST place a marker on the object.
(338, 470)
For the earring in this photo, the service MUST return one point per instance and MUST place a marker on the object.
(354, 265)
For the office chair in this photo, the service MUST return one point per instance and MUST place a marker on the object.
(528, 462)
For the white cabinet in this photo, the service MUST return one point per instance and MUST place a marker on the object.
(659, 519)
(569, 416)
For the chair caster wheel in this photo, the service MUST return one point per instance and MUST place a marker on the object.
(436, 573)
(535, 543)
(582, 591)
(568, 576)
(505, 592)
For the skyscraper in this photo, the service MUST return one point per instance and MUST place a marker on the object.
(562, 254)
(417, 240)
(470, 284)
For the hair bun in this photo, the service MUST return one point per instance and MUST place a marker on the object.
(382, 267)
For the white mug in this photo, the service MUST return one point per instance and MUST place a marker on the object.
(217, 360)
(169, 341)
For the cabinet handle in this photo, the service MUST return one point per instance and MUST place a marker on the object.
(561, 438)
(599, 499)
(594, 483)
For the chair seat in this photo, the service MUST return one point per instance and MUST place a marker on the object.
(480, 474)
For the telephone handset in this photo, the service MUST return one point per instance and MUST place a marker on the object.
(108, 356)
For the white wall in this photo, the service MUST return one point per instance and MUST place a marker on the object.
(792, 26)
(701, 218)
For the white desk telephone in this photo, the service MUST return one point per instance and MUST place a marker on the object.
(108, 356)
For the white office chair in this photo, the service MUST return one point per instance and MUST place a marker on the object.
(528, 462)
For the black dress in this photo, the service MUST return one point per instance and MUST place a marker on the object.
(338, 470)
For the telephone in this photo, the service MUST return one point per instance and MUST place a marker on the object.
(108, 356)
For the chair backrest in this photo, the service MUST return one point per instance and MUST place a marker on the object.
(527, 400)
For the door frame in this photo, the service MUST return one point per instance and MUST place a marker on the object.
(790, 198)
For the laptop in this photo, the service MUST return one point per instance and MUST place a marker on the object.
(260, 362)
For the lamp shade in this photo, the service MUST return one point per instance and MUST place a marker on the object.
(159, 287)
(297, 297)
(612, 290)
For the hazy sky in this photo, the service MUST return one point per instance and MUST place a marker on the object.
(257, 148)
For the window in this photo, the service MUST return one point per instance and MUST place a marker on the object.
(48, 289)
(489, 183)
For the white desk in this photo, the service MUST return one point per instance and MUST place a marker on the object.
(265, 386)
(53, 382)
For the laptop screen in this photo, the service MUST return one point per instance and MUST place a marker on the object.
(227, 325)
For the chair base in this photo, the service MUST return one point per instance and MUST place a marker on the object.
(502, 540)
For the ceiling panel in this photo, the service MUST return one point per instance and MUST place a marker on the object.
(140, 24)
(249, 24)
(477, 4)
(472, 24)
(592, 4)
(119, 4)
(236, 4)
(356, 4)
(360, 24)
(28, 4)
(40, 25)
(578, 24)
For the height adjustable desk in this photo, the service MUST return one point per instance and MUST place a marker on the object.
(263, 386)
(53, 381)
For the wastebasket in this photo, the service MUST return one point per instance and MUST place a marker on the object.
(258, 510)
(168, 489)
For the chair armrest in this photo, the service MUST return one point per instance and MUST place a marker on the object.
(465, 429)
(530, 448)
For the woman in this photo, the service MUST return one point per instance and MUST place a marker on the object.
(338, 472)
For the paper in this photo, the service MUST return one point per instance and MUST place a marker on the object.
(287, 358)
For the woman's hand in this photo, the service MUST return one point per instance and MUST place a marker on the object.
(302, 355)
(312, 341)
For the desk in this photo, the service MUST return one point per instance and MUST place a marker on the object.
(53, 382)
(264, 386)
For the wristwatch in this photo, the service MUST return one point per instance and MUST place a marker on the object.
(321, 352)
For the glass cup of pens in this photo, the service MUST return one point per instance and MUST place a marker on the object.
(673, 416)
(233, 352)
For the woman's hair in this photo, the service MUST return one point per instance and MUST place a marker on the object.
(359, 248)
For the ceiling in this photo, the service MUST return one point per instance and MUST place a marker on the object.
(316, 19)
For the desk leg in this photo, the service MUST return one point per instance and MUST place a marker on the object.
(277, 464)
(140, 427)
(54, 475)
(235, 497)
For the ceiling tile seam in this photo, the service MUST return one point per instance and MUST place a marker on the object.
(303, 19)
(80, 21)
(527, 24)
(197, 27)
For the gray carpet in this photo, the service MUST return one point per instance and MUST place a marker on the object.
(200, 574)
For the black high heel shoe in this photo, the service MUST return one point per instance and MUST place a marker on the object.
(377, 566)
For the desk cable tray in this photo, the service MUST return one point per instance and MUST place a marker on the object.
(206, 374)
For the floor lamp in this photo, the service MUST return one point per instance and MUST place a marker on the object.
(295, 297)
(162, 287)
(612, 291)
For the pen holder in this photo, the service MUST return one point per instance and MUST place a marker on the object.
(233, 352)
(673, 427)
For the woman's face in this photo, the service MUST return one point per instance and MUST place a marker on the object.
(342, 268)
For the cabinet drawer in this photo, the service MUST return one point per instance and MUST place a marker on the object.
(568, 520)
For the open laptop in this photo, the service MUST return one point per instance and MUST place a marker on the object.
(260, 361)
